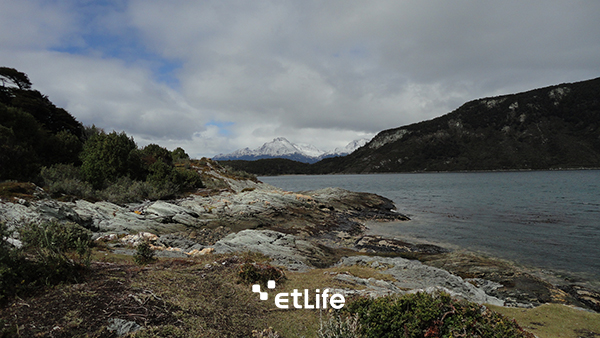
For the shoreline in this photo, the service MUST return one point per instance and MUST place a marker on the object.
(442, 172)
(559, 280)
(553, 274)
(300, 231)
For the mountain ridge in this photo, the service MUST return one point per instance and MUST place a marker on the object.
(281, 148)
(554, 127)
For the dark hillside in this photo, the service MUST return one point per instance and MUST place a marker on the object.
(33, 131)
(547, 128)
(270, 167)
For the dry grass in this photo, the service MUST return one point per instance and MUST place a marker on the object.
(204, 297)
(555, 320)
(11, 191)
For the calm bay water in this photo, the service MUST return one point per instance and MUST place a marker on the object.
(544, 219)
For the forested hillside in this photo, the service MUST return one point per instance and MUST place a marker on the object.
(555, 127)
(33, 131)
(44, 144)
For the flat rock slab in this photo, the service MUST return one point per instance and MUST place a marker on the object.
(285, 249)
(414, 276)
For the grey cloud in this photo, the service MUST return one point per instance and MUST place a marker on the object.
(26, 24)
(110, 94)
(306, 69)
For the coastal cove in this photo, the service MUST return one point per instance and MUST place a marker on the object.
(208, 244)
(541, 219)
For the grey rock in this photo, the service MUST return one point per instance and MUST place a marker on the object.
(52, 210)
(285, 249)
(122, 327)
(185, 219)
(175, 241)
(165, 209)
(413, 275)
(374, 287)
(486, 285)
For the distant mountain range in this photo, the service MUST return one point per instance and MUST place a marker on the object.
(284, 149)
(555, 127)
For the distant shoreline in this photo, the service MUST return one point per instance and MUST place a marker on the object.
(443, 172)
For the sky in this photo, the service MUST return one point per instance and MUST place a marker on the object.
(216, 76)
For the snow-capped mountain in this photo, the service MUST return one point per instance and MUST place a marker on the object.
(282, 148)
(349, 148)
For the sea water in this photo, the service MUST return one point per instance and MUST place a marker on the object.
(543, 219)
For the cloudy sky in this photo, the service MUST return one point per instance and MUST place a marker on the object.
(216, 76)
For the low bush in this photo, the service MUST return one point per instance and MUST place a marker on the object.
(50, 253)
(62, 247)
(144, 254)
(164, 182)
(125, 190)
(66, 179)
(260, 273)
(425, 315)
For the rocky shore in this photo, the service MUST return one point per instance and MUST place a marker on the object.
(300, 232)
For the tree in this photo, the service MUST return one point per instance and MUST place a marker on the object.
(14, 77)
(179, 154)
(65, 148)
(153, 152)
(51, 117)
(106, 157)
(22, 140)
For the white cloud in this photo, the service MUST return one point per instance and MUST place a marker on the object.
(110, 94)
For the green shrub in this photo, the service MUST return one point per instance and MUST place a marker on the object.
(65, 147)
(179, 154)
(144, 254)
(170, 181)
(51, 253)
(125, 190)
(260, 273)
(188, 179)
(60, 172)
(53, 241)
(425, 315)
(106, 157)
(161, 174)
(66, 179)
(153, 152)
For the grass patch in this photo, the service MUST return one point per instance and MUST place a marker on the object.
(555, 320)
(205, 296)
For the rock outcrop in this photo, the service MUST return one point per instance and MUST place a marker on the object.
(413, 276)
(297, 230)
(285, 249)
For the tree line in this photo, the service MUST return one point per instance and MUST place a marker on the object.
(44, 144)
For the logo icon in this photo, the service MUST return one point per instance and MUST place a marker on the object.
(263, 295)
(282, 300)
